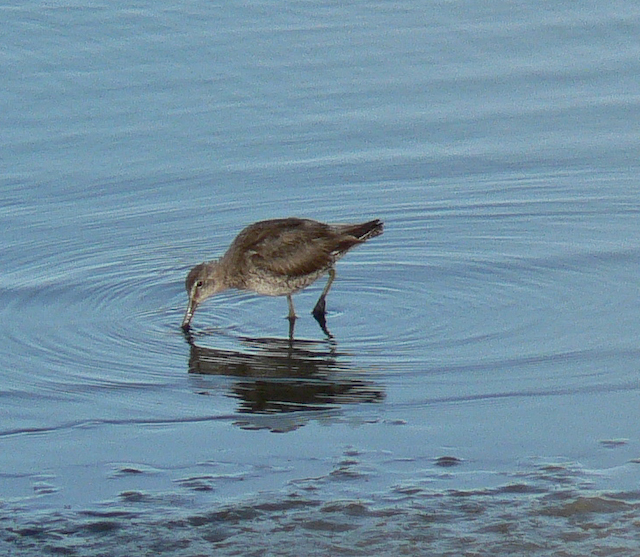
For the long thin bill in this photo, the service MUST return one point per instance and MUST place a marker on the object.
(191, 308)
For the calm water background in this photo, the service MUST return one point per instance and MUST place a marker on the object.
(481, 393)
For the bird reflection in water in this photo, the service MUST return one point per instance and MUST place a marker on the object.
(285, 375)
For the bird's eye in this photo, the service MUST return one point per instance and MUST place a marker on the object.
(199, 284)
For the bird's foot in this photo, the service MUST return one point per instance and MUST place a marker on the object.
(320, 309)
(321, 318)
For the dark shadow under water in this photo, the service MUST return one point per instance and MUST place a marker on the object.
(285, 375)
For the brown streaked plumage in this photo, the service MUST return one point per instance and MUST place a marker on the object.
(278, 258)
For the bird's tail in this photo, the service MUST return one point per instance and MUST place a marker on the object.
(365, 230)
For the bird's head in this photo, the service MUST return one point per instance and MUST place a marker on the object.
(202, 282)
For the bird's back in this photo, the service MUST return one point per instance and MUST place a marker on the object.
(288, 249)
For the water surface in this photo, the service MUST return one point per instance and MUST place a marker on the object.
(480, 392)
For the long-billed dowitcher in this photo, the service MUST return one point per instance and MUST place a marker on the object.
(278, 258)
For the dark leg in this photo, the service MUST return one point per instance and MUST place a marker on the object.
(319, 309)
(322, 321)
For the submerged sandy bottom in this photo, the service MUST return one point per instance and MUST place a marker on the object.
(545, 511)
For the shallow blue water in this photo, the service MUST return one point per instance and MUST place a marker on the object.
(495, 321)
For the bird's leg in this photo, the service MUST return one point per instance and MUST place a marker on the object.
(292, 312)
(291, 317)
(319, 309)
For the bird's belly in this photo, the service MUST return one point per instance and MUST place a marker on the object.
(275, 285)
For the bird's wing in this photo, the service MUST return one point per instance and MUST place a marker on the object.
(291, 247)
(292, 253)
